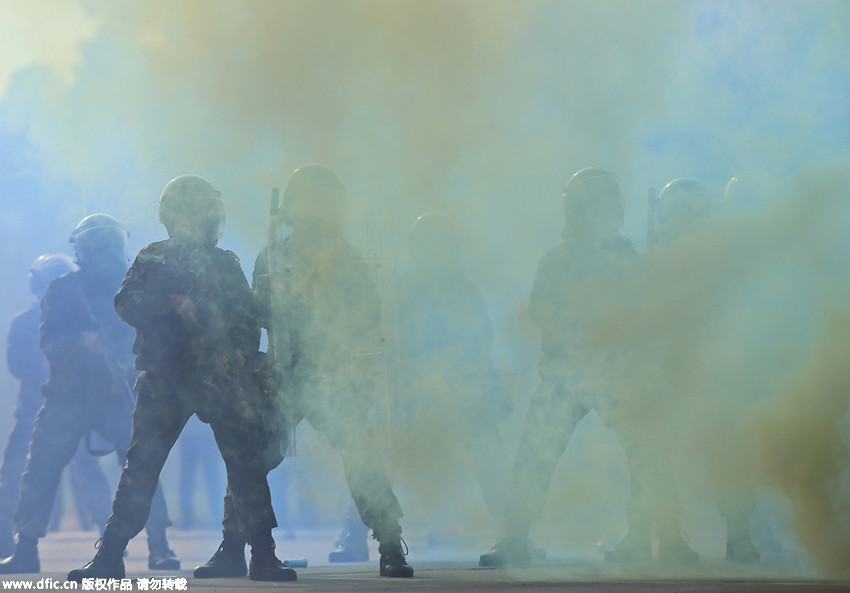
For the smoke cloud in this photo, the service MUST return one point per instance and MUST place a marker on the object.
(728, 341)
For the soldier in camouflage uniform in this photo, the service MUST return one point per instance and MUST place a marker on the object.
(90, 354)
(197, 339)
(593, 255)
(326, 319)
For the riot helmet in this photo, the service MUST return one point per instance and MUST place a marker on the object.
(681, 203)
(750, 190)
(192, 210)
(593, 204)
(433, 242)
(47, 267)
(313, 199)
(100, 243)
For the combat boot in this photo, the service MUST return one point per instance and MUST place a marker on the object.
(673, 549)
(24, 560)
(741, 549)
(508, 551)
(633, 548)
(393, 563)
(354, 545)
(265, 566)
(108, 563)
(161, 557)
(228, 561)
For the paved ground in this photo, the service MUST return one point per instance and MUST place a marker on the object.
(65, 550)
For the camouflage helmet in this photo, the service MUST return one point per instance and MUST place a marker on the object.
(188, 197)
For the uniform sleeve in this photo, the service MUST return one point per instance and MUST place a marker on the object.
(144, 294)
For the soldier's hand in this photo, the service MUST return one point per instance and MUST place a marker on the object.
(184, 306)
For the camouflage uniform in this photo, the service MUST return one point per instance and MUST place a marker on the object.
(330, 315)
(184, 372)
(559, 402)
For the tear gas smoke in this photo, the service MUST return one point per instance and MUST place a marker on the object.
(482, 110)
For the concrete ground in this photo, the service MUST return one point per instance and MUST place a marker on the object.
(439, 570)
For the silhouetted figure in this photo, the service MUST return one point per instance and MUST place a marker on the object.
(89, 350)
(197, 339)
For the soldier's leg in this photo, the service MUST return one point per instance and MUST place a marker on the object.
(546, 432)
(116, 424)
(368, 483)
(229, 559)
(158, 419)
(92, 493)
(737, 509)
(57, 432)
(654, 498)
(14, 463)
(249, 454)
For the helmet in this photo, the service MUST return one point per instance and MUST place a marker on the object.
(433, 241)
(593, 202)
(751, 189)
(590, 182)
(100, 242)
(681, 202)
(98, 223)
(191, 208)
(313, 194)
(47, 267)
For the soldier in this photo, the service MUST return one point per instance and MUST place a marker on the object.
(325, 321)
(592, 251)
(197, 341)
(653, 500)
(89, 350)
(445, 338)
(681, 204)
(27, 363)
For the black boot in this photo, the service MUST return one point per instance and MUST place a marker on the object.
(161, 557)
(741, 549)
(508, 551)
(24, 560)
(108, 563)
(228, 561)
(392, 563)
(264, 564)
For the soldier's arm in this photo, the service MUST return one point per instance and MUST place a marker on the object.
(68, 334)
(146, 292)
